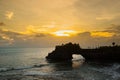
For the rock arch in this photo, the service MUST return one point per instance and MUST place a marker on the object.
(65, 52)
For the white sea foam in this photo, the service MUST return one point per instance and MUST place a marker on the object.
(12, 68)
(23, 67)
(20, 67)
(43, 74)
(111, 70)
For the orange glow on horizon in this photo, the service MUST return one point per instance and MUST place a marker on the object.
(66, 33)
(102, 34)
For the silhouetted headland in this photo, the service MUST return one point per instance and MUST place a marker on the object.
(64, 52)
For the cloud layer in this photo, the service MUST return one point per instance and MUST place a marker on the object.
(91, 19)
(34, 38)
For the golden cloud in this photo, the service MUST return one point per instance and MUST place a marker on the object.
(9, 14)
(102, 34)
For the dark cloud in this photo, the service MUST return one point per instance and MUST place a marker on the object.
(38, 34)
(12, 38)
(84, 34)
(2, 24)
(1, 38)
(18, 34)
(9, 33)
(114, 28)
(41, 35)
(20, 37)
(85, 39)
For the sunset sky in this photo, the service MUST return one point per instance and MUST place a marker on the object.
(46, 23)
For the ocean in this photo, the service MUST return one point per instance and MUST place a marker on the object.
(30, 64)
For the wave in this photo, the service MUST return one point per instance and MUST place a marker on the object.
(21, 68)
(29, 73)
(113, 71)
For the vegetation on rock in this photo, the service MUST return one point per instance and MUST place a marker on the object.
(65, 52)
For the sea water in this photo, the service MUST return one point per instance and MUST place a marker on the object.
(30, 64)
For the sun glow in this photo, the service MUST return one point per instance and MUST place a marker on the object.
(66, 33)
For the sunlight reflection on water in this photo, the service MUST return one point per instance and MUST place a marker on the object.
(77, 61)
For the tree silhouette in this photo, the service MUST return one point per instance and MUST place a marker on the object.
(113, 43)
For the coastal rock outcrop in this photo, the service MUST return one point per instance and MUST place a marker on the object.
(64, 52)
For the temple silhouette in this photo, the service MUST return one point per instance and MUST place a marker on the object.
(64, 52)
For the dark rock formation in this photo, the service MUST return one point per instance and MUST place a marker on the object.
(104, 53)
(64, 52)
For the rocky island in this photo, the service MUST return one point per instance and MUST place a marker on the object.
(64, 52)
